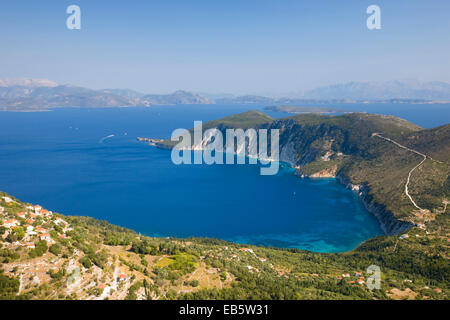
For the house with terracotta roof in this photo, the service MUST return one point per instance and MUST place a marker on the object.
(21, 215)
(41, 230)
(101, 286)
(46, 212)
(246, 250)
(46, 237)
(58, 221)
(30, 245)
(11, 223)
(122, 277)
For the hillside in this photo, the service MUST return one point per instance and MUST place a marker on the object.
(347, 147)
(245, 120)
(45, 255)
(356, 149)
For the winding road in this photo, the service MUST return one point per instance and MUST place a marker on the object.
(410, 172)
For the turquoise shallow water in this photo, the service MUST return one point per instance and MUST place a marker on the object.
(88, 162)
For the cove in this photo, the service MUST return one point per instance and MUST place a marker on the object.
(88, 162)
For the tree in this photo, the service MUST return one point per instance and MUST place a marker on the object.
(55, 249)
(86, 262)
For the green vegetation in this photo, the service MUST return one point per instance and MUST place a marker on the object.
(9, 287)
(41, 248)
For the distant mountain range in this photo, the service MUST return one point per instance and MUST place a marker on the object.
(178, 97)
(412, 89)
(38, 94)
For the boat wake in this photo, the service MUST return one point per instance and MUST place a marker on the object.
(104, 138)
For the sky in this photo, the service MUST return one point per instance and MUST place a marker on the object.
(224, 46)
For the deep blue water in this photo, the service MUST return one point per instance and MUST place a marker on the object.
(61, 160)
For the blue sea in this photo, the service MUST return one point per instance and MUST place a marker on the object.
(88, 162)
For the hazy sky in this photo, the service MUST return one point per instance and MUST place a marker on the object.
(237, 46)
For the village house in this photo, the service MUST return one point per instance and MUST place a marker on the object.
(29, 227)
(41, 230)
(67, 229)
(122, 277)
(30, 245)
(59, 221)
(31, 233)
(11, 223)
(21, 215)
(404, 236)
(46, 237)
(46, 212)
(360, 281)
(262, 259)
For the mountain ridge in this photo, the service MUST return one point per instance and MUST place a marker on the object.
(41, 94)
(432, 90)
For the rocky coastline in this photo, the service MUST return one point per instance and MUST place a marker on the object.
(389, 224)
